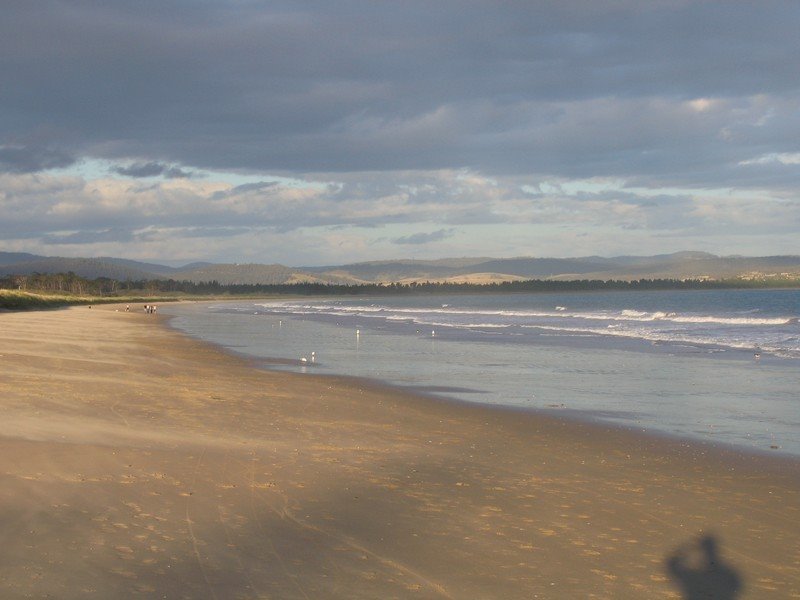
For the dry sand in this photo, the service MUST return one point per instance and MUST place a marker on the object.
(138, 463)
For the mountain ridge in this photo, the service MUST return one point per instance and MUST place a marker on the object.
(678, 265)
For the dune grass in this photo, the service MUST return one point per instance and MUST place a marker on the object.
(19, 300)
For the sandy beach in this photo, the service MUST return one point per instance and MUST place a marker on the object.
(136, 462)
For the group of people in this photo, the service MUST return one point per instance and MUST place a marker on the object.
(149, 309)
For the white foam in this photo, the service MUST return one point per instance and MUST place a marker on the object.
(733, 330)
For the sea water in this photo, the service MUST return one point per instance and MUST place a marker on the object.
(721, 366)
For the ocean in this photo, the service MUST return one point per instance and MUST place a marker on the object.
(719, 366)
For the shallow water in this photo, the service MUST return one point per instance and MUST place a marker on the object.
(681, 363)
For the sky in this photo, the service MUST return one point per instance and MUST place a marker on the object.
(312, 133)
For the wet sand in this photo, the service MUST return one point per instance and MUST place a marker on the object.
(136, 462)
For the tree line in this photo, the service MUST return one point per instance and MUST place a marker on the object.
(70, 283)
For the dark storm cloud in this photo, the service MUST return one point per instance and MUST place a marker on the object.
(152, 169)
(29, 159)
(177, 173)
(573, 88)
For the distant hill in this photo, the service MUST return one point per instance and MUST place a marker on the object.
(391, 270)
(680, 265)
(10, 258)
(91, 268)
(17, 263)
(144, 267)
(234, 274)
(193, 266)
(238, 274)
(695, 265)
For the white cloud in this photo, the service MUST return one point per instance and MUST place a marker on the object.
(462, 211)
(782, 158)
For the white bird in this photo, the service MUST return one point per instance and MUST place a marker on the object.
(313, 357)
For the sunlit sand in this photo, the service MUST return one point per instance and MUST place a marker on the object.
(135, 461)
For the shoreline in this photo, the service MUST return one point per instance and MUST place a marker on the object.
(468, 397)
(722, 451)
(137, 460)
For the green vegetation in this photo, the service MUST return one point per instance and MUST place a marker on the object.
(33, 292)
(23, 300)
(214, 288)
(21, 292)
(67, 284)
(18, 300)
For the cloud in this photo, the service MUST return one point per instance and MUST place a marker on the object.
(118, 235)
(177, 173)
(549, 87)
(50, 205)
(396, 116)
(425, 238)
(245, 188)
(783, 158)
(16, 158)
(152, 169)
